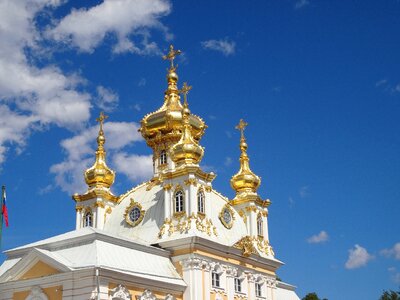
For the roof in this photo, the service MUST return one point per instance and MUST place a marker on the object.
(92, 248)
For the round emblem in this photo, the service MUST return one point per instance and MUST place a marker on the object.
(226, 216)
(134, 214)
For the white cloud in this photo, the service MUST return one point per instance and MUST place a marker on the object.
(301, 3)
(392, 252)
(142, 82)
(224, 46)
(87, 28)
(358, 257)
(80, 154)
(304, 191)
(381, 82)
(318, 238)
(33, 96)
(228, 161)
(107, 100)
(136, 167)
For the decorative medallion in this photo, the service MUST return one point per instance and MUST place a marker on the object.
(226, 216)
(134, 213)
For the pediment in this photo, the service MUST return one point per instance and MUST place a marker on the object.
(37, 263)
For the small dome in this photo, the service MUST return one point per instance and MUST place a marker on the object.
(244, 180)
(187, 150)
(100, 175)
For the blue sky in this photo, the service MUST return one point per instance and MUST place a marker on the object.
(317, 81)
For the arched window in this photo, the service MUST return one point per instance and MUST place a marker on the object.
(259, 226)
(163, 157)
(179, 201)
(200, 201)
(88, 219)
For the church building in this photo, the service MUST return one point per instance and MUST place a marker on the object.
(172, 237)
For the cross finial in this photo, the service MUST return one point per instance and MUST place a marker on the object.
(101, 119)
(185, 90)
(171, 55)
(241, 126)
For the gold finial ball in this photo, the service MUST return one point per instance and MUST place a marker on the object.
(101, 139)
(243, 146)
(172, 76)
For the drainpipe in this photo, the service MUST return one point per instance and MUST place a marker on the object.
(98, 283)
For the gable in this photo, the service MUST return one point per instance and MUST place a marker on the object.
(39, 269)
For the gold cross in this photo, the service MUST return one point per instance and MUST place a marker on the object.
(171, 55)
(241, 126)
(185, 90)
(101, 119)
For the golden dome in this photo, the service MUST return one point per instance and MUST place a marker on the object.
(244, 180)
(166, 124)
(187, 150)
(100, 175)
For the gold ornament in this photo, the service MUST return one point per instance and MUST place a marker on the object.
(100, 175)
(245, 181)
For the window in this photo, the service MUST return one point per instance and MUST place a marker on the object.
(200, 201)
(179, 205)
(238, 285)
(163, 157)
(258, 290)
(88, 219)
(259, 226)
(215, 280)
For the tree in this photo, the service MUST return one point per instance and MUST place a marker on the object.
(390, 295)
(311, 296)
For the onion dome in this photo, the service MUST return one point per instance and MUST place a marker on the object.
(165, 125)
(187, 150)
(244, 180)
(100, 175)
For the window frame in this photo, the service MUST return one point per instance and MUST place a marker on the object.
(258, 289)
(88, 219)
(201, 202)
(179, 203)
(215, 279)
(237, 282)
(260, 225)
(163, 157)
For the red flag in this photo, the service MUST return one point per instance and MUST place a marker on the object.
(4, 207)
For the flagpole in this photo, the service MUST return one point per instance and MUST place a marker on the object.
(3, 189)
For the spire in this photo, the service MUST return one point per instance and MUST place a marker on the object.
(172, 100)
(187, 150)
(244, 180)
(100, 175)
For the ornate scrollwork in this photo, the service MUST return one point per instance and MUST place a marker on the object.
(183, 224)
(254, 245)
(134, 213)
(147, 295)
(120, 293)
